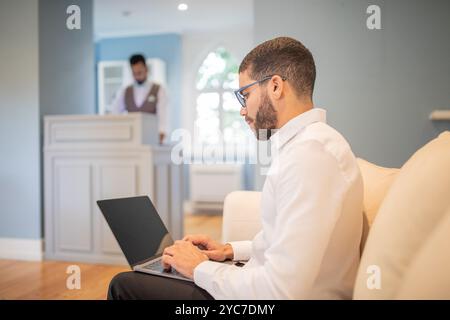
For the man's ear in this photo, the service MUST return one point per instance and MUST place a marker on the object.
(277, 86)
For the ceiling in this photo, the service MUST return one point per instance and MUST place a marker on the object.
(113, 18)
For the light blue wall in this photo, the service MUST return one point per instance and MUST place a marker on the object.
(379, 86)
(44, 69)
(66, 59)
(19, 120)
(66, 64)
(167, 47)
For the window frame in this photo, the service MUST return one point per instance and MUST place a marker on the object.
(221, 112)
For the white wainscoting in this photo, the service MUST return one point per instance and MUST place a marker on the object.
(21, 249)
(89, 158)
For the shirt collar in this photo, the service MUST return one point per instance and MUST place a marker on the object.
(293, 126)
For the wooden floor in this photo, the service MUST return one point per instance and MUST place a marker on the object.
(204, 224)
(47, 279)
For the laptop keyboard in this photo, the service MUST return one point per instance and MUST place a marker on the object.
(157, 266)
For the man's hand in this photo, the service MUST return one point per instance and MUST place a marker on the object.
(213, 249)
(184, 257)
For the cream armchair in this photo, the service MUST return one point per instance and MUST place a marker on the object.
(241, 216)
(408, 212)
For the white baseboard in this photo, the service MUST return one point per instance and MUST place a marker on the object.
(187, 207)
(21, 249)
(203, 207)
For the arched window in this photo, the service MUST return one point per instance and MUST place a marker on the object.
(217, 111)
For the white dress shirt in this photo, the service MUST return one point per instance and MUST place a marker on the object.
(311, 211)
(140, 92)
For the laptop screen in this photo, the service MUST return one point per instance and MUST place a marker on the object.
(137, 227)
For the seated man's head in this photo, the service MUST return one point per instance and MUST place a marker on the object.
(139, 68)
(277, 82)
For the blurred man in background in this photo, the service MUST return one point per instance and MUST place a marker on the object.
(143, 96)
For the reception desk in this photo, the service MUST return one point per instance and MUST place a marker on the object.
(93, 157)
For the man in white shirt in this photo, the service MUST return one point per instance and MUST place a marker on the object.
(311, 207)
(143, 96)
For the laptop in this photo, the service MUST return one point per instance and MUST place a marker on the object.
(141, 234)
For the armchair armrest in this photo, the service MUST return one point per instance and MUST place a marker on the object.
(241, 216)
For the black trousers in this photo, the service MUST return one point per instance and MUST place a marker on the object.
(142, 286)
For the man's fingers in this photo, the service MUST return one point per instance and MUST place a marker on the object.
(210, 252)
(197, 239)
(191, 238)
(167, 261)
(169, 251)
(213, 255)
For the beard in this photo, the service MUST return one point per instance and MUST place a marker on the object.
(266, 119)
(140, 82)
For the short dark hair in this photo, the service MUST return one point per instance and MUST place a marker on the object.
(136, 58)
(286, 57)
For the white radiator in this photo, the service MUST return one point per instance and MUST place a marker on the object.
(210, 184)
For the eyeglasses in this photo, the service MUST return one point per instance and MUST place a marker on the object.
(242, 98)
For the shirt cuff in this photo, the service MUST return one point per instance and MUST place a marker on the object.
(204, 272)
(241, 250)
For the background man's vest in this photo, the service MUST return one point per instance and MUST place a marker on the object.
(149, 104)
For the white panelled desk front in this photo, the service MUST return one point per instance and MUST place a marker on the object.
(93, 157)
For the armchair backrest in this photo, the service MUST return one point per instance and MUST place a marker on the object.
(412, 209)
